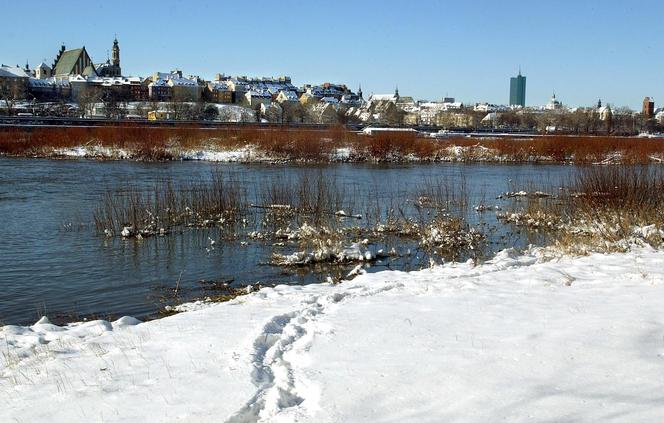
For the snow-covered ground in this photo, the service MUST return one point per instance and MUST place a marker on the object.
(516, 339)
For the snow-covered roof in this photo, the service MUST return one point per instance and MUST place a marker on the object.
(78, 78)
(49, 82)
(289, 95)
(406, 100)
(383, 97)
(330, 100)
(490, 117)
(108, 81)
(263, 94)
(182, 82)
(13, 72)
(159, 83)
(219, 86)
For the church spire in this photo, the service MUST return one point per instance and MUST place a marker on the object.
(116, 52)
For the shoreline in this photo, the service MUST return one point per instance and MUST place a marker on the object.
(306, 145)
(269, 354)
(251, 155)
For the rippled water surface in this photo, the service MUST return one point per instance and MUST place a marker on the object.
(53, 261)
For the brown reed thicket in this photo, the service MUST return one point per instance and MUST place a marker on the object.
(601, 208)
(580, 149)
(612, 204)
(319, 145)
(158, 143)
(635, 191)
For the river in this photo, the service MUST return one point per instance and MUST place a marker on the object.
(53, 261)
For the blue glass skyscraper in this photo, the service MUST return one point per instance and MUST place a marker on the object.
(518, 90)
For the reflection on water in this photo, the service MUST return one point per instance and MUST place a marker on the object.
(53, 261)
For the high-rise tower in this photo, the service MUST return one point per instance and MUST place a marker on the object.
(518, 90)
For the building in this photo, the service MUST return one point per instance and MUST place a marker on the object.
(239, 89)
(163, 86)
(307, 99)
(385, 98)
(73, 62)
(518, 90)
(49, 89)
(159, 90)
(13, 82)
(254, 99)
(120, 88)
(659, 116)
(218, 92)
(112, 66)
(554, 104)
(648, 108)
(324, 113)
(160, 115)
(605, 113)
(185, 89)
(287, 97)
(406, 102)
(43, 71)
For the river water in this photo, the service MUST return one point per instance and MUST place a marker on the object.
(53, 261)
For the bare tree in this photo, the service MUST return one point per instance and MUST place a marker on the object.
(227, 114)
(11, 93)
(179, 106)
(210, 112)
(143, 108)
(273, 113)
(114, 106)
(87, 100)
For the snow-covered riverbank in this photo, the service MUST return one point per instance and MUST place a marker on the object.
(251, 153)
(515, 339)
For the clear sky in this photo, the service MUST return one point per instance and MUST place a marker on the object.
(583, 49)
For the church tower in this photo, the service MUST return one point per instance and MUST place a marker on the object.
(116, 53)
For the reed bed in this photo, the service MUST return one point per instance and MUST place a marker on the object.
(131, 211)
(600, 208)
(321, 145)
(313, 213)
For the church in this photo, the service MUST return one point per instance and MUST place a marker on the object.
(112, 66)
(78, 62)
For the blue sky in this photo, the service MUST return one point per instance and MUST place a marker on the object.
(581, 49)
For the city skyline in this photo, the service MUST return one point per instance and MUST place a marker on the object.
(596, 63)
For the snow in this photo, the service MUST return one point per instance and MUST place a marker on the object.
(373, 130)
(92, 151)
(325, 252)
(241, 155)
(519, 338)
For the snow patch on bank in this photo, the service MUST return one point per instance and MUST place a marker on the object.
(241, 155)
(93, 151)
(519, 337)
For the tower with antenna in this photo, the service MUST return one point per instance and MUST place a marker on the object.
(518, 90)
